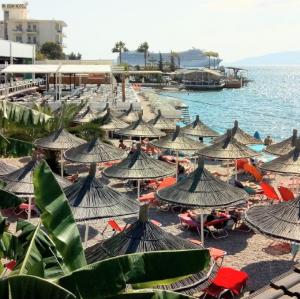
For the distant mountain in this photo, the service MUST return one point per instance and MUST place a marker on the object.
(280, 58)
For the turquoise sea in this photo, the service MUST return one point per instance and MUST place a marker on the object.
(270, 104)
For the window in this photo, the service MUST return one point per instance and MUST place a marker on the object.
(29, 39)
(34, 40)
(34, 27)
(19, 39)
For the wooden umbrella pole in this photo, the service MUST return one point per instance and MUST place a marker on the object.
(138, 189)
(29, 207)
(177, 166)
(62, 163)
(227, 171)
(235, 168)
(202, 228)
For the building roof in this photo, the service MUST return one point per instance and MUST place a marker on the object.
(284, 286)
(56, 68)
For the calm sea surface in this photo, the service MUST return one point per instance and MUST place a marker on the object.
(270, 104)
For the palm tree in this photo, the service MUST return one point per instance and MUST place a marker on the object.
(119, 48)
(177, 56)
(143, 48)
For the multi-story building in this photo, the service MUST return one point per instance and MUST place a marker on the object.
(193, 58)
(17, 26)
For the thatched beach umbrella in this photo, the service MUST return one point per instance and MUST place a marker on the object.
(240, 135)
(144, 236)
(95, 151)
(111, 123)
(200, 189)
(177, 141)
(139, 166)
(283, 147)
(227, 148)
(6, 168)
(84, 116)
(278, 221)
(162, 123)
(140, 129)
(88, 197)
(59, 140)
(20, 181)
(130, 116)
(198, 128)
(286, 164)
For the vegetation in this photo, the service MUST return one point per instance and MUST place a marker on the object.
(160, 63)
(52, 50)
(50, 262)
(73, 56)
(144, 48)
(172, 63)
(119, 48)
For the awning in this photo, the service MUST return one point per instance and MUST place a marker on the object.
(31, 68)
(84, 69)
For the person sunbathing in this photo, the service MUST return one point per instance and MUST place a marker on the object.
(122, 145)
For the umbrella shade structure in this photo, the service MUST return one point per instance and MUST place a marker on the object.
(198, 128)
(162, 123)
(6, 168)
(200, 189)
(144, 236)
(59, 140)
(227, 149)
(140, 128)
(278, 221)
(283, 147)
(90, 199)
(138, 165)
(287, 164)
(130, 116)
(112, 123)
(240, 135)
(177, 141)
(20, 181)
(84, 116)
(94, 151)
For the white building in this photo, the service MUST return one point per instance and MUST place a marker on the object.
(17, 26)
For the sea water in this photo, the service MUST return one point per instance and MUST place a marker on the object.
(270, 104)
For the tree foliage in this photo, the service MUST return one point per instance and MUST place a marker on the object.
(144, 48)
(119, 48)
(52, 51)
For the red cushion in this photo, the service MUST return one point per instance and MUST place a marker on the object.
(286, 193)
(229, 278)
(269, 191)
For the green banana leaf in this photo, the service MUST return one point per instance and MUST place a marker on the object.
(149, 294)
(31, 287)
(22, 114)
(9, 200)
(39, 256)
(57, 217)
(112, 276)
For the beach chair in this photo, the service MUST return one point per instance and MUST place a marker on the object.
(114, 226)
(228, 281)
(286, 193)
(9, 266)
(269, 192)
(219, 228)
(24, 208)
(187, 222)
(166, 182)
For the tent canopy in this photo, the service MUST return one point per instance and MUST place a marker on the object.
(56, 68)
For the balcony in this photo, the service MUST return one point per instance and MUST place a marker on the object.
(32, 31)
(18, 30)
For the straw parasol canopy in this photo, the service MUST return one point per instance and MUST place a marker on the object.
(202, 190)
(130, 116)
(198, 128)
(240, 135)
(162, 123)
(138, 165)
(144, 236)
(227, 149)
(278, 221)
(287, 164)
(283, 147)
(178, 141)
(140, 128)
(84, 116)
(59, 140)
(6, 168)
(112, 123)
(90, 199)
(94, 151)
(20, 181)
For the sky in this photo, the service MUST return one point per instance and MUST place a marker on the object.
(235, 28)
